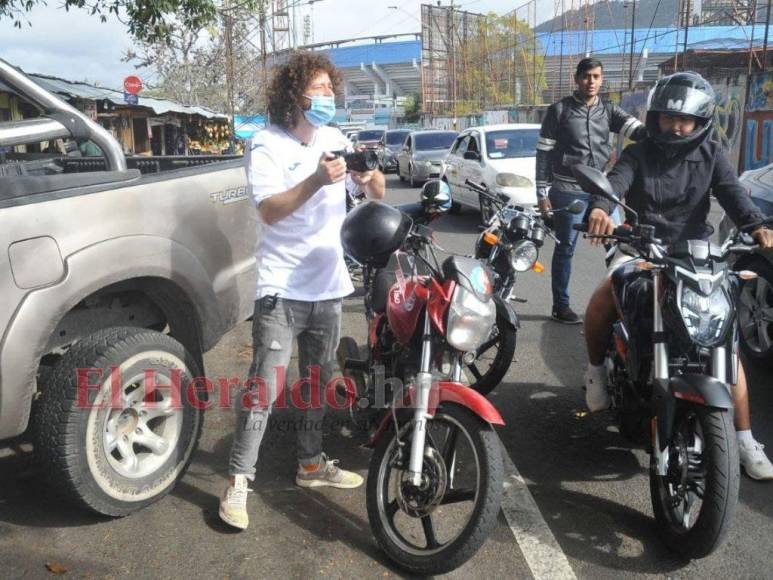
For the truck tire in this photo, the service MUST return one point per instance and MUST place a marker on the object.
(119, 446)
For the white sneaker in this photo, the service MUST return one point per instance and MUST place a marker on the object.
(596, 395)
(233, 506)
(754, 461)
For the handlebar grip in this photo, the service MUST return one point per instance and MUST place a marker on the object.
(580, 227)
(744, 249)
(476, 186)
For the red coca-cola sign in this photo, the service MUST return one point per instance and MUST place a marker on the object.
(132, 84)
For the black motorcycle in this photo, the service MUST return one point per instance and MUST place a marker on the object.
(509, 243)
(671, 363)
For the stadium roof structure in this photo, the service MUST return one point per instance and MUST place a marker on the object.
(394, 68)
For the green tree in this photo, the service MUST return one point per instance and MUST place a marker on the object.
(499, 64)
(147, 20)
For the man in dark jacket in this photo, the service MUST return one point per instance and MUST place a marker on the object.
(668, 179)
(576, 130)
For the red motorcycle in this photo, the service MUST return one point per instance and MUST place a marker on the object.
(435, 478)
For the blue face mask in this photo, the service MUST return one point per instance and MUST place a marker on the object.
(322, 110)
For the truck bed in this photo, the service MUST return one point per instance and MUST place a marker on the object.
(31, 178)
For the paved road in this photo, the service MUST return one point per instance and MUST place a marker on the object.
(590, 486)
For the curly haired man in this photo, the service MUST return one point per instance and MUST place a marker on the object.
(298, 188)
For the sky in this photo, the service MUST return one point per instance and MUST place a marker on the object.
(75, 45)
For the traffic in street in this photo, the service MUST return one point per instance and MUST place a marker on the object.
(576, 494)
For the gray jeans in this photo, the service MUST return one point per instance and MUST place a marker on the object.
(316, 326)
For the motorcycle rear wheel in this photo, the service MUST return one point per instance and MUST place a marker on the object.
(438, 527)
(704, 462)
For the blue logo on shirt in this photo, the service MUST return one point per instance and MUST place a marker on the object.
(294, 166)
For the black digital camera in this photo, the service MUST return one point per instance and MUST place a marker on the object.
(358, 160)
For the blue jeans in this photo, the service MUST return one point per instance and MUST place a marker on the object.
(316, 327)
(561, 267)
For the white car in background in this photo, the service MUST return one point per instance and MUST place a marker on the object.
(501, 157)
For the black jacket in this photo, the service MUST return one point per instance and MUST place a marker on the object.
(673, 194)
(573, 133)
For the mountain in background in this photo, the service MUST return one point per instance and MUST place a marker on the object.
(616, 15)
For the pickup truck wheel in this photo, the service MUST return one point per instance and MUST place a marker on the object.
(120, 445)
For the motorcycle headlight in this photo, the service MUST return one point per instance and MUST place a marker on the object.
(705, 317)
(513, 180)
(470, 320)
(523, 255)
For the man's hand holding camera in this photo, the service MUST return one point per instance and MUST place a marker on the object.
(330, 169)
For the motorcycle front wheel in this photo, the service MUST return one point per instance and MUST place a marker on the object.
(493, 358)
(438, 526)
(695, 501)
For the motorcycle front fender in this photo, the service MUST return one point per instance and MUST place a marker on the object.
(444, 392)
(504, 310)
(691, 388)
(449, 392)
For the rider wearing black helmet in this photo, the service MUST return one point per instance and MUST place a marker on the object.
(668, 179)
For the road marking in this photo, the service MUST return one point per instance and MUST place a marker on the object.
(539, 547)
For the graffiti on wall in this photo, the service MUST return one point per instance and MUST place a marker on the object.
(758, 139)
(728, 115)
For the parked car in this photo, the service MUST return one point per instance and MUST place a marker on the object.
(500, 157)
(139, 265)
(421, 156)
(388, 148)
(369, 138)
(755, 308)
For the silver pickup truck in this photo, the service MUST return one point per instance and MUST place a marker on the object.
(113, 281)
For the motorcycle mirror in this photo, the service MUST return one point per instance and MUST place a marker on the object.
(576, 207)
(594, 181)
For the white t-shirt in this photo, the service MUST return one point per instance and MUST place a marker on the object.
(299, 257)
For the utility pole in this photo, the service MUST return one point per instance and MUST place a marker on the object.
(263, 67)
(687, 12)
(676, 35)
(534, 54)
(229, 69)
(452, 41)
(633, 43)
(765, 41)
(561, 57)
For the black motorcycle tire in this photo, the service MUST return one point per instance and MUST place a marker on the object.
(722, 481)
(484, 513)
(489, 380)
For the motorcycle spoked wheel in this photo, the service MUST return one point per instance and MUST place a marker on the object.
(695, 502)
(438, 526)
(493, 358)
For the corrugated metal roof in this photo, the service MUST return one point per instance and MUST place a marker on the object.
(612, 41)
(70, 89)
(655, 40)
(380, 53)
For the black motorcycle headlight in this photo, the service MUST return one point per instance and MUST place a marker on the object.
(705, 316)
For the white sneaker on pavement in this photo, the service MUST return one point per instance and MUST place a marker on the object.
(596, 395)
(233, 505)
(754, 461)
